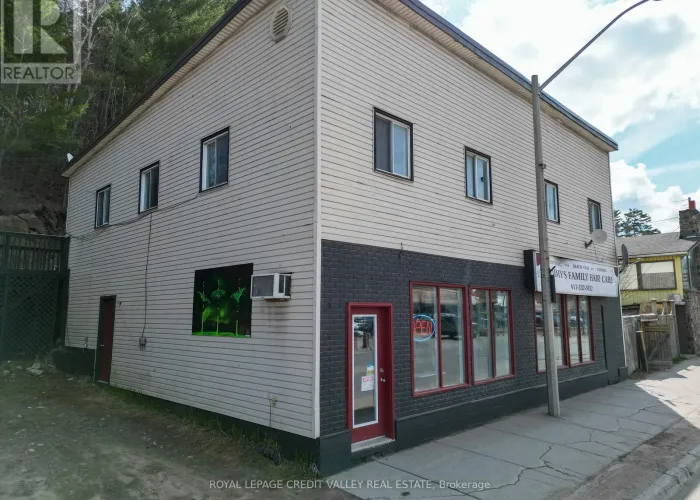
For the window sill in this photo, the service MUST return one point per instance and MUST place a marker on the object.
(562, 367)
(479, 200)
(394, 176)
(492, 380)
(103, 226)
(585, 363)
(213, 188)
(148, 211)
(567, 367)
(439, 390)
(554, 221)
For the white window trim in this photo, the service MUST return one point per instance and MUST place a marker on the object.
(204, 168)
(142, 188)
(105, 213)
(477, 157)
(409, 143)
(556, 199)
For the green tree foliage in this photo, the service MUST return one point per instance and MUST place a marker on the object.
(634, 223)
(126, 46)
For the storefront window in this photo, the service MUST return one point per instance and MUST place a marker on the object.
(438, 342)
(584, 318)
(539, 327)
(425, 342)
(439, 336)
(576, 327)
(572, 327)
(452, 336)
(500, 305)
(491, 333)
(481, 334)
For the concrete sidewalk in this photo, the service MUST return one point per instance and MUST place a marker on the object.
(598, 443)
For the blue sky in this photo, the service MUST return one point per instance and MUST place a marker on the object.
(639, 83)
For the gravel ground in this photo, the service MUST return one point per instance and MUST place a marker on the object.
(66, 437)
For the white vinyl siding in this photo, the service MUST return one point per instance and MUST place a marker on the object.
(263, 91)
(372, 58)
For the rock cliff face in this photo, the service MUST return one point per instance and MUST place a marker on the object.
(41, 221)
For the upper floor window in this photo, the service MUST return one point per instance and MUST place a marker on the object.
(148, 187)
(653, 275)
(393, 145)
(214, 160)
(102, 206)
(552, 199)
(595, 221)
(478, 171)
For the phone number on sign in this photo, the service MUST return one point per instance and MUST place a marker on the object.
(582, 288)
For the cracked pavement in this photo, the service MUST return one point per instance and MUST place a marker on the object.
(622, 437)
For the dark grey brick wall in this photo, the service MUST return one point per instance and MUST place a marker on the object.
(361, 273)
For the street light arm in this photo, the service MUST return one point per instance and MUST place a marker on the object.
(566, 64)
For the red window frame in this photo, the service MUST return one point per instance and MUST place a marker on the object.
(467, 337)
(511, 337)
(564, 311)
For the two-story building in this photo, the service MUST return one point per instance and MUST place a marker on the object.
(384, 161)
(659, 268)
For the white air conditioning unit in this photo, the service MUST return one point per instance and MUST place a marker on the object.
(271, 286)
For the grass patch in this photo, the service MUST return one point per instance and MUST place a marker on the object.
(678, 359)
(214, 434)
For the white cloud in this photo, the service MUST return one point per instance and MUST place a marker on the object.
(633, 188)
(639, 68)
(439, 6)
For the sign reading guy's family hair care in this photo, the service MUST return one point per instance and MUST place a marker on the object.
(574, 277)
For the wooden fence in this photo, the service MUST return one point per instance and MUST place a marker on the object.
(33, 293)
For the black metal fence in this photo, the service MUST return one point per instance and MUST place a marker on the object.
(33, 293)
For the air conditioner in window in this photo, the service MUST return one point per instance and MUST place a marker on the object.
(271, 286)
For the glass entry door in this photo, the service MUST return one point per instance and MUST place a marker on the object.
(370, 382)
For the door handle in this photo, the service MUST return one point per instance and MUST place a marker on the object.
(102, 345)
(382, 380)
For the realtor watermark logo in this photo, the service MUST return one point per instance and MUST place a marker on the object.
(41, 41)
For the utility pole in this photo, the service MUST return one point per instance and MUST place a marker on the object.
(550, 357)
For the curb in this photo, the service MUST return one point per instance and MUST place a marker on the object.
(674, 478)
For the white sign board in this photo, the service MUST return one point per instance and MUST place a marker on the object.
(367, 383)
(575, 277)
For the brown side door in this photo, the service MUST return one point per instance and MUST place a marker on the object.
(105, 338)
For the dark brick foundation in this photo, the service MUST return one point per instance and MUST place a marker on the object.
(360, 273)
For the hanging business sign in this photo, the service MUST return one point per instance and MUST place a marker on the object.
(574, 277)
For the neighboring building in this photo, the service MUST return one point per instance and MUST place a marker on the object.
(385, 161)
(660, 265)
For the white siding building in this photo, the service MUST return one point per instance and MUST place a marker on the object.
(385, 161)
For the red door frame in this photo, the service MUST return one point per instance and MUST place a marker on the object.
(385, 398)
(103, 352)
